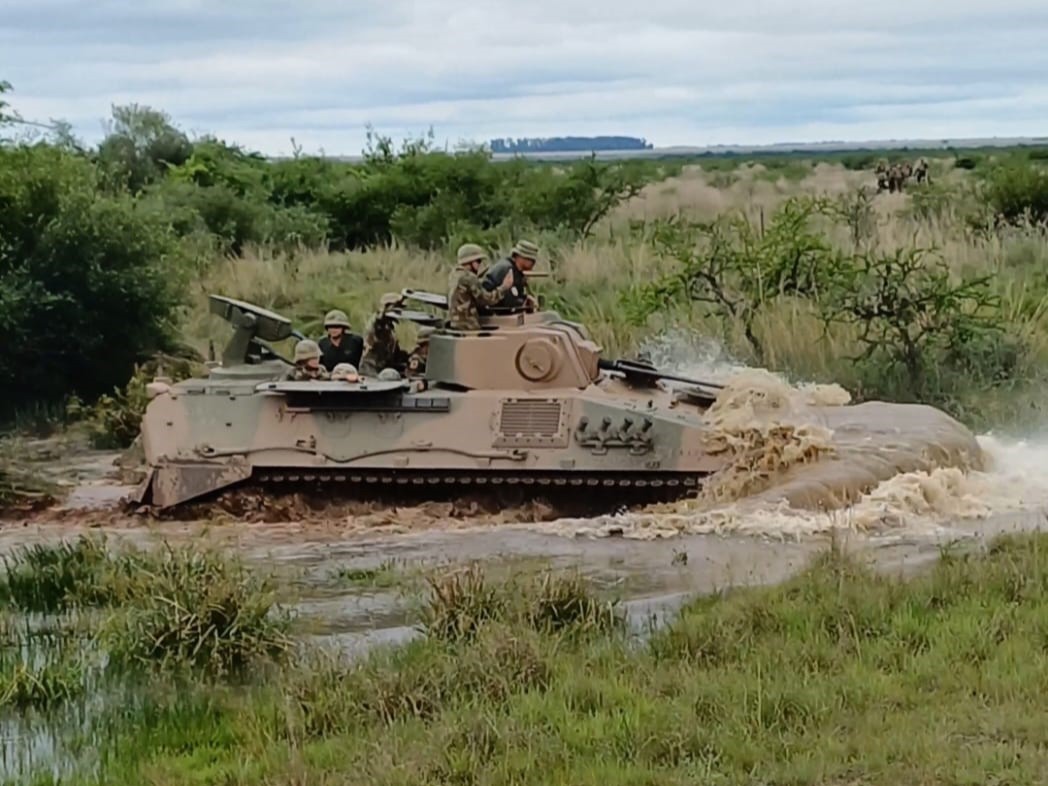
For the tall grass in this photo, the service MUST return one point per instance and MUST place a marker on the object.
(182, 607)
(202, 609)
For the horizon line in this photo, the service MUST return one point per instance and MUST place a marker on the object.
(824, 146)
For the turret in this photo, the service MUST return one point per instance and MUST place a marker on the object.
(525, 351)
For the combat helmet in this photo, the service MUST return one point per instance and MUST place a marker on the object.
(470, 252)
(336, 318)
(344, 370)
(306, 349)
(389, 374)
(526, 250)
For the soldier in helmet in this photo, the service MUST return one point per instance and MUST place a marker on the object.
(520, 260)
(380, 342)
(345, 372)
(417, 359)
(339, 345)
(307, 363)
(466, 295)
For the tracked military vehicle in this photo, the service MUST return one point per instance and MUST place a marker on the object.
(527, 402)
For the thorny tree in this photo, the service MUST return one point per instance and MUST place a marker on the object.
(736, 268)
(911, 310)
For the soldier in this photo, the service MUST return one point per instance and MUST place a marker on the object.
(520, 260)
(345, 372)
(307, 363)
(882, 175)
(417, 359)
(920, 171)
(465, 292)
(380, 342)
(339, 345)
(898, 176)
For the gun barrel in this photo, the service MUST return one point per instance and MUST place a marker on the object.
(644, 370)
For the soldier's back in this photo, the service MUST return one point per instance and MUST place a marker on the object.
(462, 301)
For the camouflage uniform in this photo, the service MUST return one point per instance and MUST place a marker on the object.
(416, 366)
(465, 292)
(380, 342)
(306, 350)
(303, 373)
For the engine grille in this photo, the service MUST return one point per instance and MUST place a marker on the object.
(532, 423)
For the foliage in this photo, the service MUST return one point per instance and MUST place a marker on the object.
(97, 245)
(735, 269)
(923, 331)
(43, 577)
(24, 685)
(1018, 193)
(87, 282)
(179, 607)
(5, 108)
(839, 675)
(113, 420)
(140, 146)
(21, 488)
(196, 608)
(462, 602)
(912, 313)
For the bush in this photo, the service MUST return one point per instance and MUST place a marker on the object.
(464, 602)
(1018, 193)
(45, 577)
(88, 284)
(188, 607)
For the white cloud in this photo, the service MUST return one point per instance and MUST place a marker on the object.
(674, 71)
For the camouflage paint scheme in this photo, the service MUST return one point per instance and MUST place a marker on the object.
(523, 400)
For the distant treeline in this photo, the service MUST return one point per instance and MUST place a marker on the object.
(569, 144)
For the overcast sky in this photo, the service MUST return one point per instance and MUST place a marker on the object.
(678, 72)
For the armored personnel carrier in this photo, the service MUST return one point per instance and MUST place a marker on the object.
(527, 403)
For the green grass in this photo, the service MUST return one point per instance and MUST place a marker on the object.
(48, 577)
(184, 606)
(383, 576)
(838, 676)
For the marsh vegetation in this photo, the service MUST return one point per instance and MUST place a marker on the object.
(839, 674)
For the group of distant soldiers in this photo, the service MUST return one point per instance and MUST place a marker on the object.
(344, 355)
(892, 177)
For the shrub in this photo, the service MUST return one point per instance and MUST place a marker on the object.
(88, 284)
